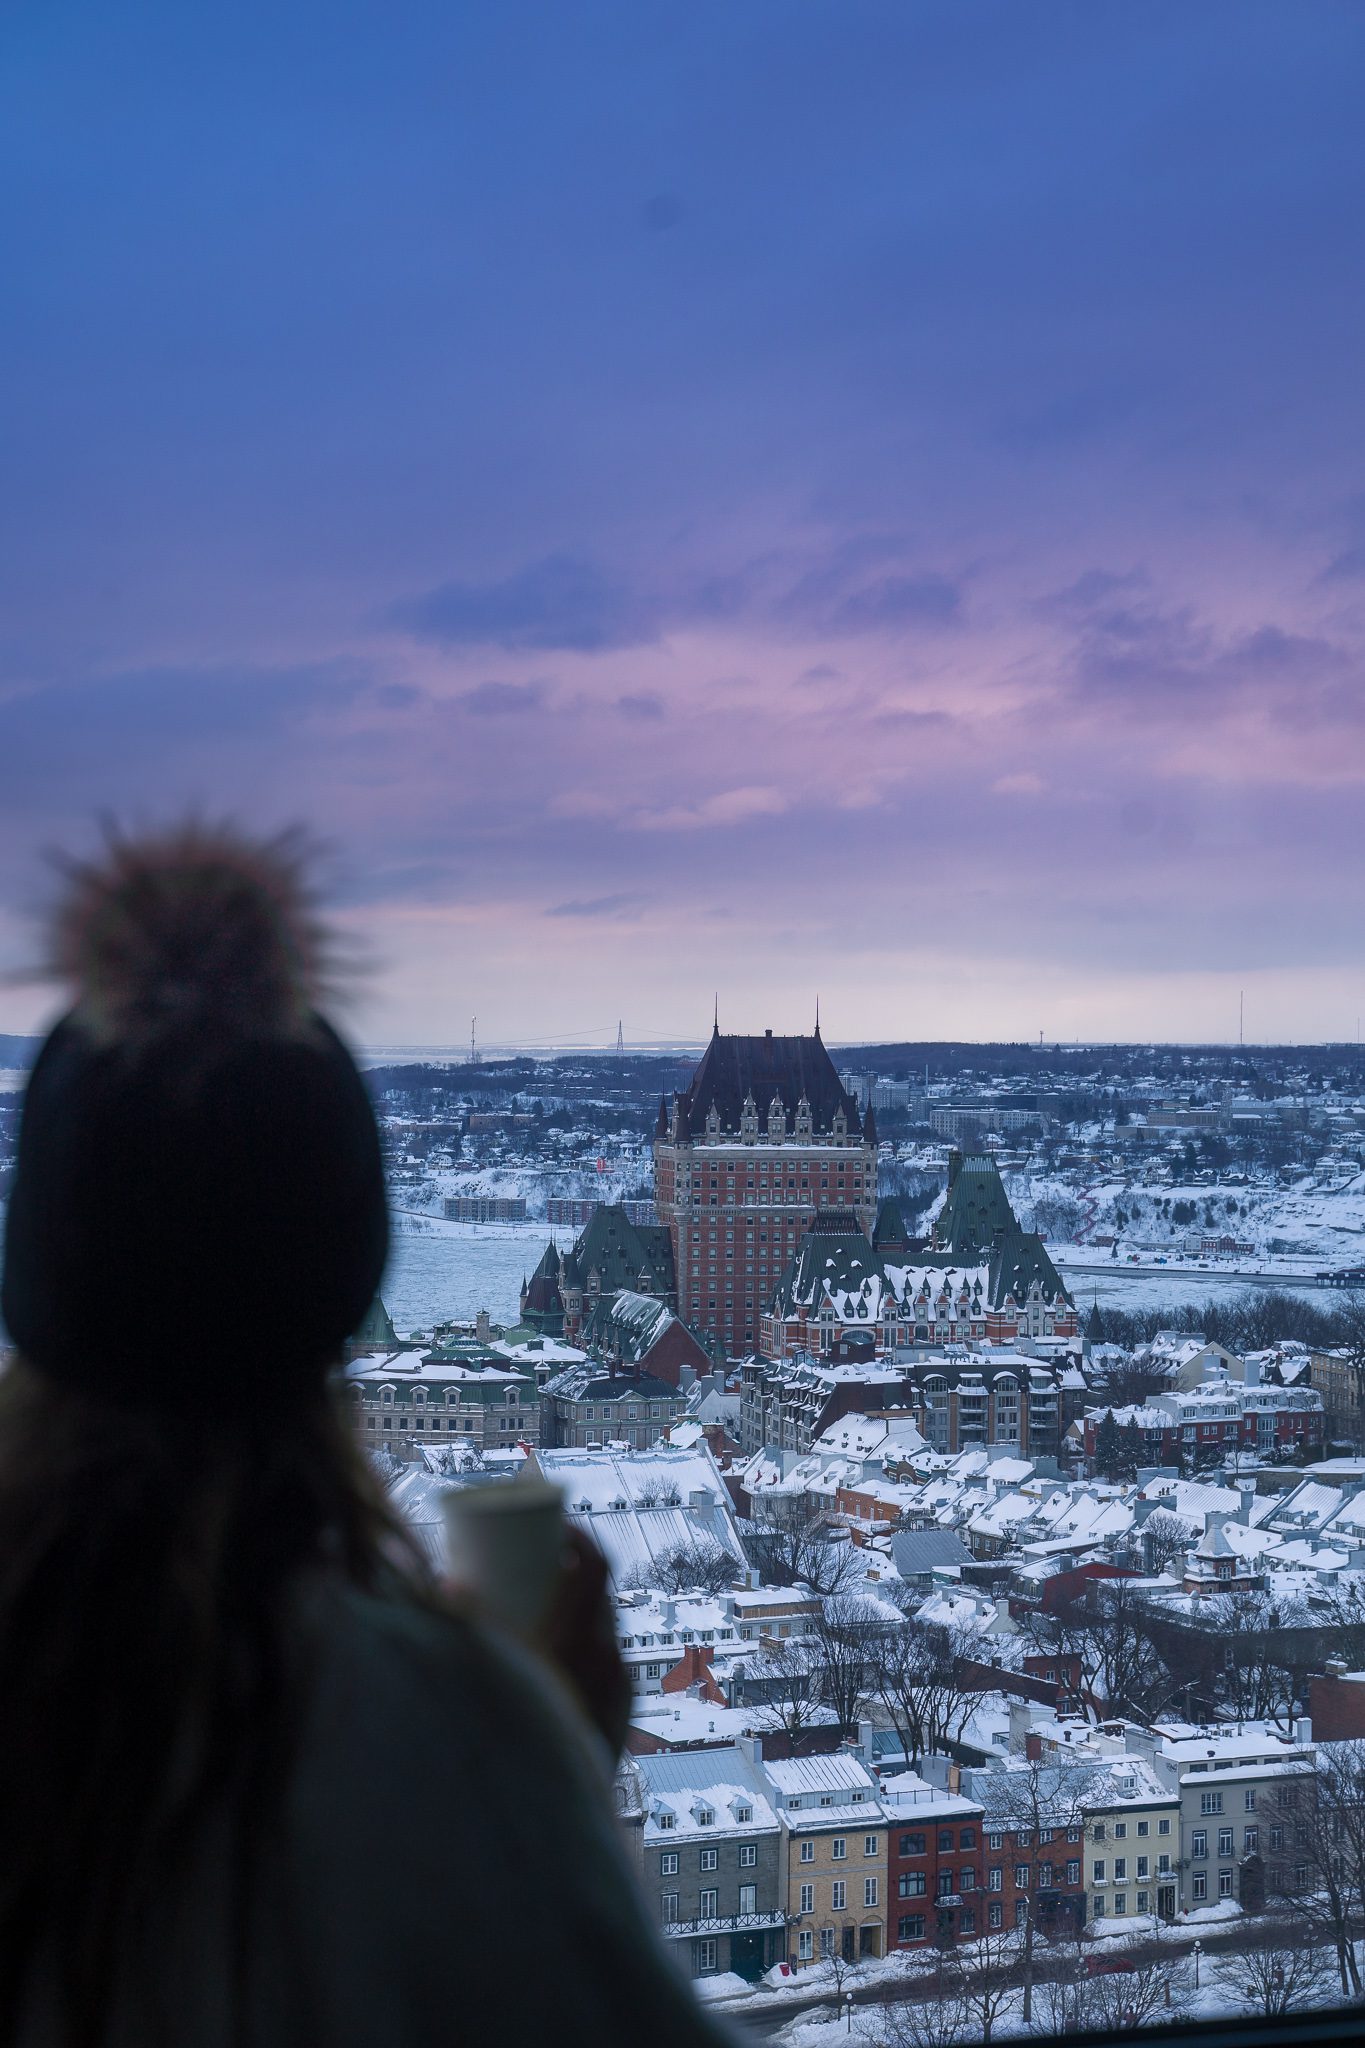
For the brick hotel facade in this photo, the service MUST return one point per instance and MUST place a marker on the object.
(764, 1136)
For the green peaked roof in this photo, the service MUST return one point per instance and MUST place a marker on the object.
(977, 1208)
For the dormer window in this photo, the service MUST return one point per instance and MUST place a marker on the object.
(744, 1813)
(665, 1819)
(705, 1817)
(827, 1799)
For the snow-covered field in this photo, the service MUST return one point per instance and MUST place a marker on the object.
(447, 1272)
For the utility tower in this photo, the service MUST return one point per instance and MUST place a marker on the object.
(473, 1053)
(620, 1040)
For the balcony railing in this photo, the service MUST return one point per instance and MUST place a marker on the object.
(734, 1923)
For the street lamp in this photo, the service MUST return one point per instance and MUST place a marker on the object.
(848, 2011)
(1198, 1951)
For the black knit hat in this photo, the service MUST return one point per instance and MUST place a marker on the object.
(198, 1202)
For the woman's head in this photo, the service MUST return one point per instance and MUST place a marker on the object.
(198, 1201)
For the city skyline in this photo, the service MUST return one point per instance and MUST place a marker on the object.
(867, 500)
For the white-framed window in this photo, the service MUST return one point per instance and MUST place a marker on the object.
(808, 1852)
(1225, 1884)
(706, 1955)
(707, 1900)
(1210, 1802)
(805, 1945)
(669, 1908)
(839, 1848)
(869, 1891)
(869, 1845)
(807, 1904)
(668, 1863)
(709, 1859)
(748, 1855)
(838, 1895)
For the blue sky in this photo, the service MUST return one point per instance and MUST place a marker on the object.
(751, 497)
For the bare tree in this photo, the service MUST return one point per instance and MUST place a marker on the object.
(690, 1567)
(1041, 1807)
(915, 1674)
(659, 1492)
(938, 2016)
(1251, 1685)
(1319, 1868)
(988, 1967)
(790, 1671)
(1165, 1539)
(1127, 1672)
(1149, 1986)
(1283, 1976)
(790, 1544)
(848, 1630)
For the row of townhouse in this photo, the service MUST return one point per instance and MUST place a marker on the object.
(1175, 1817)
(749, 1861)
(1204, 1424)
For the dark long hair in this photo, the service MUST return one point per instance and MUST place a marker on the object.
(149, 1666)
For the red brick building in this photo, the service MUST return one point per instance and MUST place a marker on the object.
(764, 1135)
(935, 1874)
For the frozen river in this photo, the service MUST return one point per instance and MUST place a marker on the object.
(1136, 1288)
(447, 1272)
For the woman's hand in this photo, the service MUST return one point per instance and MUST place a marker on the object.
(579, 1637)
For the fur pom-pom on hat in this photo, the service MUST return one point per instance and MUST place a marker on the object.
(198, 926)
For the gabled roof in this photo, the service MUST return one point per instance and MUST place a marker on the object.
(619, 1250)
(735, 1067)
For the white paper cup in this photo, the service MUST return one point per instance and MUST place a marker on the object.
(505, 1547)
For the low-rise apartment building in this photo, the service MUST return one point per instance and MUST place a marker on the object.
(936, 1874)
(408, 1400)
(709, 1850)
(834, 1856)
(1132, 1842)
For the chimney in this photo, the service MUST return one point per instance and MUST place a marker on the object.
(1247, 1489)
(1252, 1369)
(1303, 1729)
(482, 1326)
(1033, 1747)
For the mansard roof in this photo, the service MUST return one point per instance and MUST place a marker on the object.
(735, 1066)
(976, 1207)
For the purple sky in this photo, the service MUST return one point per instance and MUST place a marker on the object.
(757, 497)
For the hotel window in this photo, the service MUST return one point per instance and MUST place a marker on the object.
(838, 1895)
